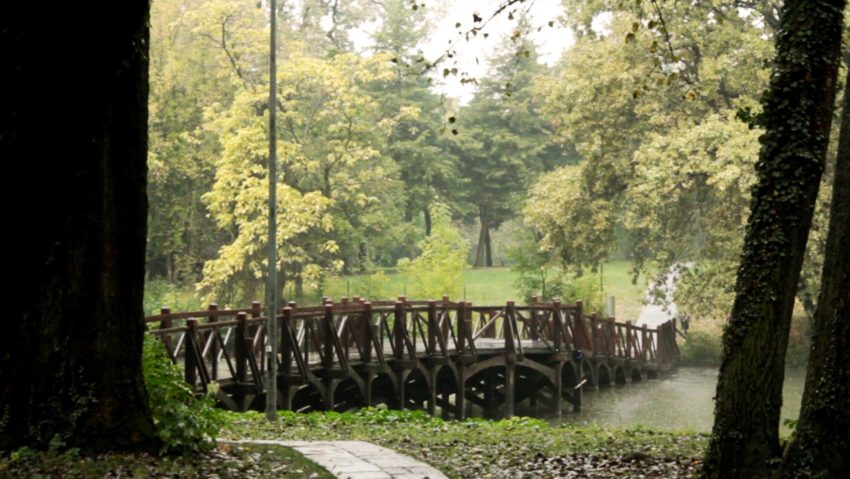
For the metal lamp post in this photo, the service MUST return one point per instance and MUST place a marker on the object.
(271, 287)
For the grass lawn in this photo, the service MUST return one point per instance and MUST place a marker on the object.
(490, 286)
(481, 286)
(478, 448)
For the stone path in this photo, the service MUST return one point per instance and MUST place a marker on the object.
(360, 460)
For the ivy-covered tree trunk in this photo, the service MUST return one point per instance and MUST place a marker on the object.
(822, 438)
(797, 116)
(74, 92)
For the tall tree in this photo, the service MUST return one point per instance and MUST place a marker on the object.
(665, 160)
(822, 436)
(797, 117)
(503, 143)
(426, 166)
(186, 78)
(70, 361)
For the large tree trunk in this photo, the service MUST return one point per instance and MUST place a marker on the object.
(483, 254)
(427, 211)
(797, 116)
(822, 438)
(74, 94)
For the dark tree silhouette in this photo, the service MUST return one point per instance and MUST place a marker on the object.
(74, 86)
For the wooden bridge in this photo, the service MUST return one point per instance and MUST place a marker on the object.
(460, 358)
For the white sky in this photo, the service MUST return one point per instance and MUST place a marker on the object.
(551, 41)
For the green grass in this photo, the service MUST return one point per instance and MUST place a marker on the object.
(518, 447)
(492, 286)
(481, 286)
(617, 281)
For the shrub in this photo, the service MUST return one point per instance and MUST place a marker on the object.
(438, 270)
(701, 349)
(184, 422)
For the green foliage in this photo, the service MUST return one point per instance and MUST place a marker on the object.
(535, 276)
(160, 293)
(701, 349)
(184, 422)
(438, 270)
(375, 286)
(577, 228)
(664, 150)
(503, 141)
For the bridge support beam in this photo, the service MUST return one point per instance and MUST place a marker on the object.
(557, 389)
(510, 390)
(432, 391)
(460, 396)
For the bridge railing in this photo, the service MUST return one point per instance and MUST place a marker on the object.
(215, 345)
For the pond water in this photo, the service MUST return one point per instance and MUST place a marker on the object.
(681, 401)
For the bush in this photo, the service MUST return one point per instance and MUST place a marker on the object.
(184, 422)
(159, 293)
(438, 270)
(537, 277)
(701, 349)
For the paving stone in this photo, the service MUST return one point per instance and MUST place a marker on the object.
(360, 460)
(367, 475)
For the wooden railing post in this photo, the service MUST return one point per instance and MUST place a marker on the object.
(240, 349)
(644, 342)
(508, 328)
(286, 337)
(165, 322)
(366, 331)
(660, 347)
(432, 327)
(535, 319)
(399, 328)
(580, 329)
(461, 327)
(556, 327)
(190, 363)
(595, 340)
(327, 332)
(212, 318)
(630, 344)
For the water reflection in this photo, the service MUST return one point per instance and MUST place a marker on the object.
(682, 401)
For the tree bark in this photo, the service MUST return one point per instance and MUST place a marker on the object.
(74, 91)
(427, 211)
(797, 115)
(822, 437)
(488, 249)
(482, 250)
